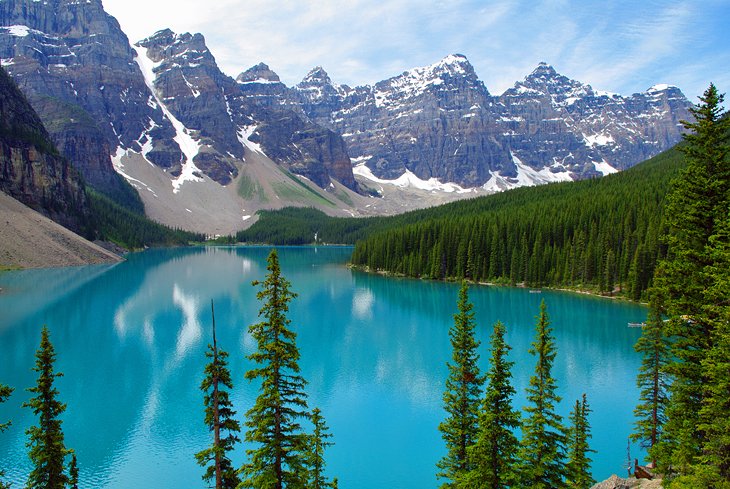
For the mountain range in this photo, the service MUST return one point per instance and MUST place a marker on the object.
(205, 151)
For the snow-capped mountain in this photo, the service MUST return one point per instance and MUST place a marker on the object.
(163, 98)
(161, 113)
(441, 122)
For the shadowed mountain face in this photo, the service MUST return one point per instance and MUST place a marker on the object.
(164, 98)
(31, 169)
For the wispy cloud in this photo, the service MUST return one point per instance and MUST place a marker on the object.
(622, 46)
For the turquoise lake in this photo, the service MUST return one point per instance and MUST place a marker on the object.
(131, 340)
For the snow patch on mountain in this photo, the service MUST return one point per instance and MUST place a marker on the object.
(604, 168)
(660, 87)
(18, 30)
(529, 177)
(409, 180)
(244, 133)
(189, 146)
(598, 139)
(119, 168)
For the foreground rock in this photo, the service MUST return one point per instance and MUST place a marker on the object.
(31, 240)
(616, 482)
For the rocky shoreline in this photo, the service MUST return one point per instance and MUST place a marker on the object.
(616, 482)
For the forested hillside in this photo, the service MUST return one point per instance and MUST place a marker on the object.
(118, 224)
(600, 234)
(597, 234)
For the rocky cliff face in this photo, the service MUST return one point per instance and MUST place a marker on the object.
(441, 122)
(166, 99)
(31, 169)
(552, 121)
(222, 116)
(75, 57)
(192, 92)
(163, 98)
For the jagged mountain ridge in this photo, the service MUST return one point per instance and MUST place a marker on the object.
(164, 99)
(441, 122)
(74, 57)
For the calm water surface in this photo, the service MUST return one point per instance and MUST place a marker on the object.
(130, 340)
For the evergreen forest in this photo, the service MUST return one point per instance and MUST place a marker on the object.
(601, 235)
(130, 229)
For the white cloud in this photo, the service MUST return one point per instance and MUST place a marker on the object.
(622, 46)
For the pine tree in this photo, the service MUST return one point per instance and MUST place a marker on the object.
(280, 458)
(47, 449)
(219, 417)
(315, 452)
(696, 206)
(461, 397)
(712, 468)
(541, 455)
(493, 456)
(652, 382)
(579, 464)
(5, 392)
(73, 472)
(715, 412)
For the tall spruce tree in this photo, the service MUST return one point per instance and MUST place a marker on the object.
(715, 412)
(579, 462)
(5, 392)
(47, 450)
(493, 456)
(279, 459)
(219, 417)
(318, 443)
(461, 397)
(73, 473)
(696, 206)
(712, 467)
(542, 448)
(652, 382)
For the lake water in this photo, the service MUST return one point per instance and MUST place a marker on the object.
(130, 340)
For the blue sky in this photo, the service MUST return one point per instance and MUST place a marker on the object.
(618, 46)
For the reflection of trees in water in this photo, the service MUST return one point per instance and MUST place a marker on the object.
(131, 343)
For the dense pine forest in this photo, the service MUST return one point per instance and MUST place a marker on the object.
(600, 234)
(130, 229)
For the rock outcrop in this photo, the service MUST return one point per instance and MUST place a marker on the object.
(31, 168)
(616, 482)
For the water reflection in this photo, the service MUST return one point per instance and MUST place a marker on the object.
(131, 341)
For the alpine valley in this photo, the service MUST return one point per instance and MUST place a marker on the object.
(206, 151)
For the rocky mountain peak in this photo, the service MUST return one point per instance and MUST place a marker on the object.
(166, 44)
(543, 70)
(451, 66)
(664, 90)
(454, 64)
(317, 87)
(453, 73)
(545, 81)
(316, 76)
(260, 73)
